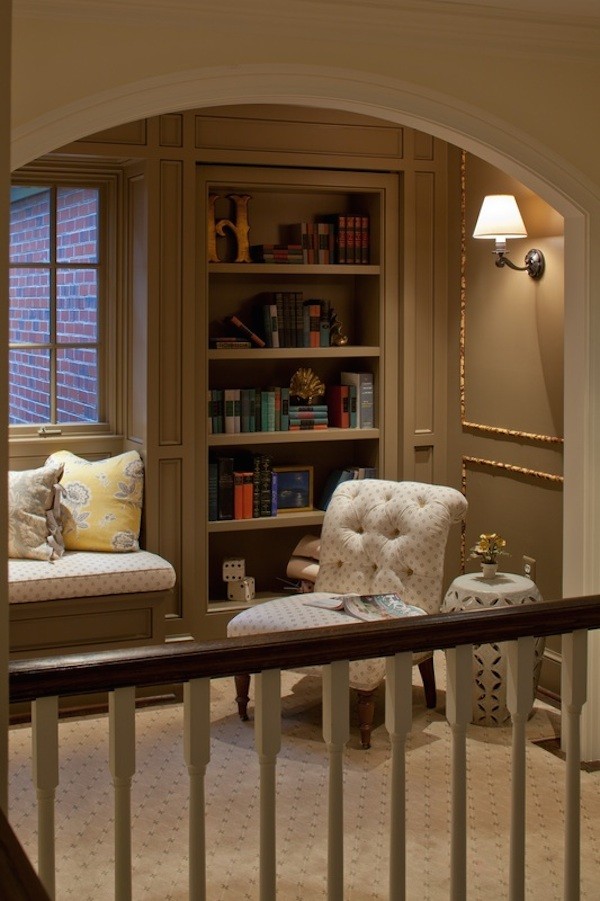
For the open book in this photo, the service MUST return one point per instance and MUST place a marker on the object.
(368, 607)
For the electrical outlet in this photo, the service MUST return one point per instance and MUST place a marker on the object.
(529, 567)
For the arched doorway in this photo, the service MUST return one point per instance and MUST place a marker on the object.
(455, 123)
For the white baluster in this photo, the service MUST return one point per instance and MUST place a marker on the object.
(336, 731)
(44, 724)
(196, 752)
(398, 721)
(267, 720)
(459, 713)
(121, 717)
(519, 699)
(573, 694)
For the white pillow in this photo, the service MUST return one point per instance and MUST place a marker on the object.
(33, 513)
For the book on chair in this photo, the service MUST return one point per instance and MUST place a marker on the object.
(367, 607)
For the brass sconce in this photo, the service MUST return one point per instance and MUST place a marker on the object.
(500, 219)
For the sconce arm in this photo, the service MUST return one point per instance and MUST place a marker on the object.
(534, 262)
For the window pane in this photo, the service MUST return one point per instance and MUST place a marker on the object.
(29, 225)
(77, 385)
(29, 386)
(77, 225)
(76, 305)
(29, 292)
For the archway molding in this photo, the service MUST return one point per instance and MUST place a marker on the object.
(474, 129)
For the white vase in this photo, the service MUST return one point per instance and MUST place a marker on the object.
(489, 570)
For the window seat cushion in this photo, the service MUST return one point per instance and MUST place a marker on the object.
(87, 574)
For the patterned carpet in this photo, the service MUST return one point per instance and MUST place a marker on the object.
(84, 805)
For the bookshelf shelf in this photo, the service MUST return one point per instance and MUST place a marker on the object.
(282, 521)
(331, 434)
(294, 353)
(364, 298)
(284, 270)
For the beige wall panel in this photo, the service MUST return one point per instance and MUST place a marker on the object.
(129, 133)
(138, 309)
(424, 464)
(171, 130)
(171, 273)
(526, 511)
(513, 324)
(424, 146)
(264, 135)
(424, 302)
(169, 526)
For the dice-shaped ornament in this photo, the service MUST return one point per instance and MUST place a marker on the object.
(234, 569)
(241, 589)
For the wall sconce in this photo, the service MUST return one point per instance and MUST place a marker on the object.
(499, 218)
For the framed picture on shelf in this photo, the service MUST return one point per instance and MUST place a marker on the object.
(294, 488)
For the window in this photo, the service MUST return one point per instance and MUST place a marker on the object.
(56, 286)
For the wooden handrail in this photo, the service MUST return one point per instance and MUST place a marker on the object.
(179, 662)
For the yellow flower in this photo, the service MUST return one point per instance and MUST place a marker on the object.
(489, 547)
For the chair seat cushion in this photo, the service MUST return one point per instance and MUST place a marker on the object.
(87, 574)
(290, 613)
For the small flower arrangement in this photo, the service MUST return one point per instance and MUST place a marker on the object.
(489, 548)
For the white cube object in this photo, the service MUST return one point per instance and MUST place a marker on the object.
(241, 589)
(234, 569)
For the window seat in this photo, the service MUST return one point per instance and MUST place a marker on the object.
(88, 601)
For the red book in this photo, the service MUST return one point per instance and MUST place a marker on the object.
(341, 236)
(238, 495)
(338, 406)
(364, 239)
(248, 332)
(247, 494)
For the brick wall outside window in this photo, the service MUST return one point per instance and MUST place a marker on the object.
(52, 303)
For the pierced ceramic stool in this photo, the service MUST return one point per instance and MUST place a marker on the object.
(472, 592)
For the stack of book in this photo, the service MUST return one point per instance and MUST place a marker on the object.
(235, 410)
(308, 416)
(277, 253)
(291, 321)
(241, 488)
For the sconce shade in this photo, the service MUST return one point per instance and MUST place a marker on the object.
(499, 218)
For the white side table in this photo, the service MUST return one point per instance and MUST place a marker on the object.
(472, 592)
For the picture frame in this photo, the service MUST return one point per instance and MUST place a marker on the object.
(294, 488)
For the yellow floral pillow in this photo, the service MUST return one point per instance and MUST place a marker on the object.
(101, 504)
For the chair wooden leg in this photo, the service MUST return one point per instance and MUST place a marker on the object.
(242, 685)
(366, 713)
(428, 677)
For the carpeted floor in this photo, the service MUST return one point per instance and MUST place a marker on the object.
(84, 805)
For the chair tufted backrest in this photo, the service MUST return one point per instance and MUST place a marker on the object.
(381, 536)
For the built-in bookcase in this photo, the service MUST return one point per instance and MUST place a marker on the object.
(365, 299)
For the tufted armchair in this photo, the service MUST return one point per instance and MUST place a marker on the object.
(378, 536)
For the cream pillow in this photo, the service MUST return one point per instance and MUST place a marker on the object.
(101, 504)
(33, 502)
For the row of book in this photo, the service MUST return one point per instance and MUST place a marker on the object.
(241, 488)
(291, 321)
(340, 238)
(348, 405)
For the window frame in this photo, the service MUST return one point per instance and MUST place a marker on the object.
(108, 182)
